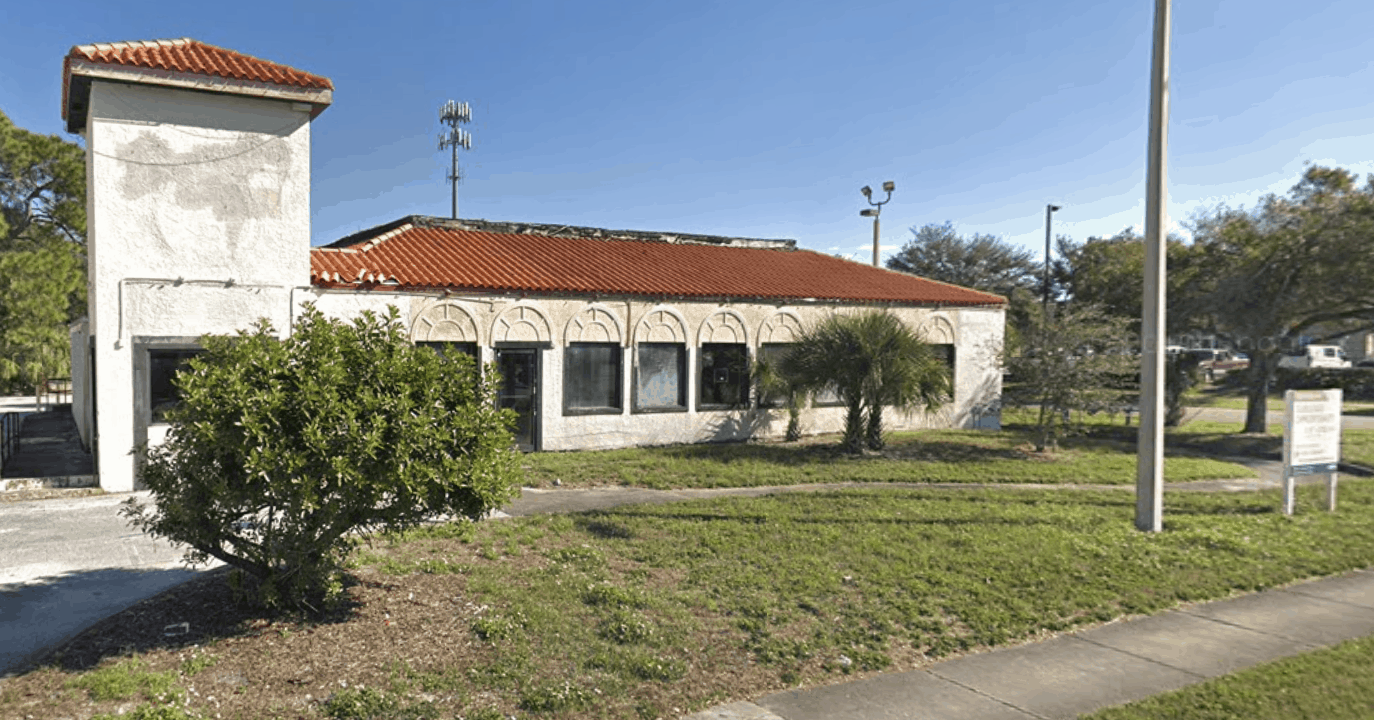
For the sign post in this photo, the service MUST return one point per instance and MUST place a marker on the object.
(1311, 440)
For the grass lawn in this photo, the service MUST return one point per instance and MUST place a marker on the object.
(1332, 684)
(1223, 396)
(1218, 439)
(657, 611)
(1225, 439)
(1357, 446)
(962, 456)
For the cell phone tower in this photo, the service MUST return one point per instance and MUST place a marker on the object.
(454, 114)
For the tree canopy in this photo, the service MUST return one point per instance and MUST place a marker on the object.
(42, 253)
(1110, 272)
(981, 262)
(42, 187)
(1292, 266)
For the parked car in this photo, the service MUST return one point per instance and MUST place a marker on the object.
(1214, 363)
(1316, 356)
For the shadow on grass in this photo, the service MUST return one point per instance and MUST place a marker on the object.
(1215, 444)
(1265, 447)
(903, 447)
(199, 611)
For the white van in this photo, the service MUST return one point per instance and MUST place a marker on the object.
(1316, 356)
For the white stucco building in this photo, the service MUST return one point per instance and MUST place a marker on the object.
(198, 216)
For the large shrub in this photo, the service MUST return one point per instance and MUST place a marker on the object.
(280, 448)
(1077, 359)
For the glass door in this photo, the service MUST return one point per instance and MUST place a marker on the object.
(520, 392)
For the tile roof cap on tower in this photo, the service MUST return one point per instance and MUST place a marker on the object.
(188, 64)
(420, 253)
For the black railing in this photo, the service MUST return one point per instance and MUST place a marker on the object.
(10, 423)
(54, 392)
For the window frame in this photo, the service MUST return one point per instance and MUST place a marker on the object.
(781, 349)
(144, 348)
(742, 381)
(948, 353)
(617, 380)
(636, 404)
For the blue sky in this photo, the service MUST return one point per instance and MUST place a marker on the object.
(763, 119)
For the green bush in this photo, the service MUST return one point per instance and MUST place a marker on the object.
(1357, 383)
(280, 448)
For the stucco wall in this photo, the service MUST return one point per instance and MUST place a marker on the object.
(198, 222)
(82, 410)
(554, 323)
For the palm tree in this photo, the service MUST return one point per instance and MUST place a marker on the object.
(871, 360)
(773, 386)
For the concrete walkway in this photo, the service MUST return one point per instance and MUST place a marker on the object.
(1272, 417)
(50, 452)
(1091, 669)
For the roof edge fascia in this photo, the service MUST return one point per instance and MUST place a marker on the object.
(475, 293)
(80, 72)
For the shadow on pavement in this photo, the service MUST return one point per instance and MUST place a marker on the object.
(64, 620)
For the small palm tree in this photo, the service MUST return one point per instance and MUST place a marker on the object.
(871, 360)
(772, 383)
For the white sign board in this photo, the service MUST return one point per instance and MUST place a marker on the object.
(1311, 439)
(1312, 427)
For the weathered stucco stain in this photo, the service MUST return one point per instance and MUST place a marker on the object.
(209, 177)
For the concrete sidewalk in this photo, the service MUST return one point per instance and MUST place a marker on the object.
(1091, 669)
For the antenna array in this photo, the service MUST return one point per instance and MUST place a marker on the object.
(454, 114)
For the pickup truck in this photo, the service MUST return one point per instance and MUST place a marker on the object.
(1215, 363)
(1316, 356)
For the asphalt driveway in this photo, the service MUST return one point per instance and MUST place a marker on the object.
(65, 564)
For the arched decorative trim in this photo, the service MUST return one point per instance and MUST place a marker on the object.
(445, 322)
(594, 323)
(784, 327)
(723, 326)
(938, 330)
(661, 324)
(521, 322)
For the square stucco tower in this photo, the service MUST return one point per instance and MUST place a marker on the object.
(198, 216)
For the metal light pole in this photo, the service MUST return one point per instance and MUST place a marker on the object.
(1045, 303)
(452, 114)
(1149, 478)
(875, 211)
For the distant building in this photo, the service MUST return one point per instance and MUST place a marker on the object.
(199, 182)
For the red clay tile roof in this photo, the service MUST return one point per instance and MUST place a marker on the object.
(192, 56)
(187, 64)
(420, 253)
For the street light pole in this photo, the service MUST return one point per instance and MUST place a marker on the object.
(1149, 479)
(875, 211)
(1045, 303)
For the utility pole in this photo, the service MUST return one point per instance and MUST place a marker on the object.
(1149, 482)
(1045, 303)
(875, 211)
(453, 114)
